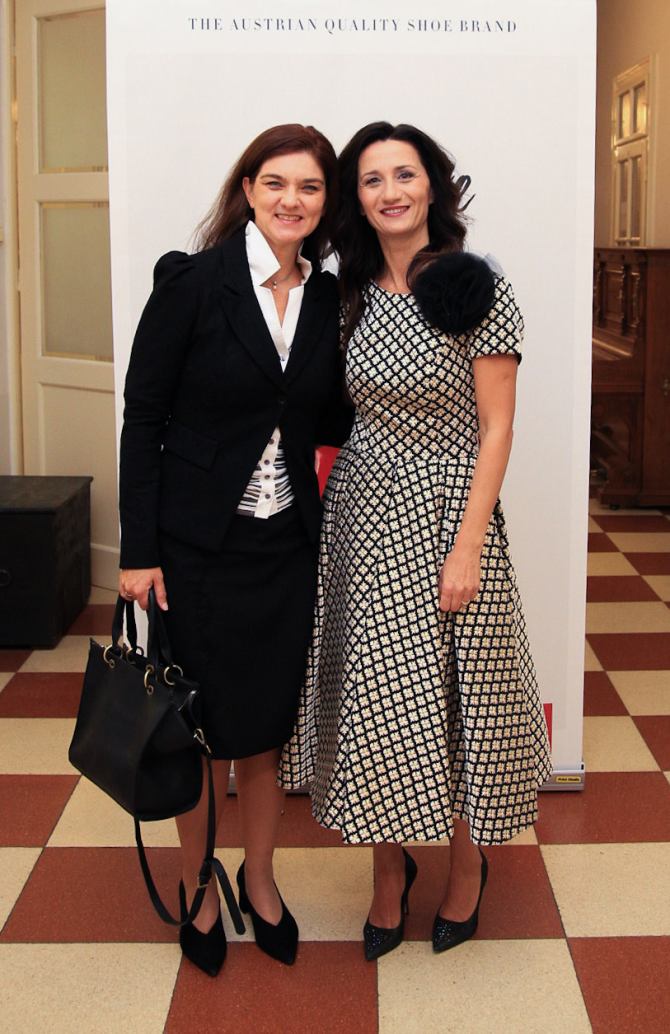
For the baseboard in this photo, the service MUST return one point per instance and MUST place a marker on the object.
(104, 566)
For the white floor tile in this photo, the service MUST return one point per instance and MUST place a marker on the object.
(660, 583)
(591, 662)
(328, 889)
(16, 865)
(36, 745)
(614, 744)
(611, 890)
(483, 987)
(87, 988)
(641, 541)
(608, 564)
(627, 617)
(71, 654)
(643, 692)
(92, 819)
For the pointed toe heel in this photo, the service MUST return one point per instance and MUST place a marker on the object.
(278, 940)
(207, 951)
(380, 940)
(447, 933)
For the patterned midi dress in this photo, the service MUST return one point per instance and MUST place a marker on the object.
(410, 717)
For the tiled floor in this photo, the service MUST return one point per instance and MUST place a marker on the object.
(575, 927)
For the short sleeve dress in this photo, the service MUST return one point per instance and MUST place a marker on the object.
(410, 717)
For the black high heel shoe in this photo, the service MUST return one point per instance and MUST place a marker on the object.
(378, 940)
(207, 951)
(278, 940)
(447, 933)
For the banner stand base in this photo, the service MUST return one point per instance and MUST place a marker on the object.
(566, 779)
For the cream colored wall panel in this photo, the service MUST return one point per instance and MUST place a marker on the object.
(72, 96)
(75, 373)
(77, 186)
(79, 439)
(76, 280)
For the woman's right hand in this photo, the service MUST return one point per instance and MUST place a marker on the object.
(134, 584)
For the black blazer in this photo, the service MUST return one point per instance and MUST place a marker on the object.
(204, 392)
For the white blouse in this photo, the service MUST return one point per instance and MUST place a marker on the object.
(269, 489)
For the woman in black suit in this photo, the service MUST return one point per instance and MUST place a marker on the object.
(234, 379)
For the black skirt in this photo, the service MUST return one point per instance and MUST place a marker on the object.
(240, 622)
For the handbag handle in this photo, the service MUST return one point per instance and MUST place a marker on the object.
(124, 608)
(159, 652)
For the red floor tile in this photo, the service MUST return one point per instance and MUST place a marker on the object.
(632, 651)
(600, 543)
(614, 589)
(611, 522)
(297, 827)
(650, 563)
(330, 989)
(11, 660)
(656, 731)
(600, 696)
(93, 894)
(30, 806)
(625, 982)
(517, 903)
(95, 619)
(41, 695)
(615, 807)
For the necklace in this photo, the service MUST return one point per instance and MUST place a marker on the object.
(274, 282)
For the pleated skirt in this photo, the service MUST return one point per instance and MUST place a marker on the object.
(239, 622)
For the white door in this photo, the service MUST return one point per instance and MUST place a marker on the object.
(64, 279)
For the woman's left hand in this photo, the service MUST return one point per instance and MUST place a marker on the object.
(459, 578)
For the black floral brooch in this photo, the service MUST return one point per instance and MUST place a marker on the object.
(455, 292)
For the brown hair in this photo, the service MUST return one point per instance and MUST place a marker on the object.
(231, 211)
(361, 258)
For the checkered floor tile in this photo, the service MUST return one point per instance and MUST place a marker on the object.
(574, 932)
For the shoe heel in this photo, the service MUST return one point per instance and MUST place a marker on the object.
(278, 940)
(410, 876)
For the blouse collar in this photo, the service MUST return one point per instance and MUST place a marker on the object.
(263, 262)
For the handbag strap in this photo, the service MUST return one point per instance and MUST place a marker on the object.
(159, 652)
(210, 865)
(124, 608)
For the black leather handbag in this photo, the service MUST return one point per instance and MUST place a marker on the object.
(138, 737)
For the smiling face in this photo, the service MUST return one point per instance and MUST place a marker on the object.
(288, 196)
(394, 191)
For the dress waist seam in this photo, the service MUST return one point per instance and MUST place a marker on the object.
(410, 459)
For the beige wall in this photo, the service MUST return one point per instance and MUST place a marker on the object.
(628, 32)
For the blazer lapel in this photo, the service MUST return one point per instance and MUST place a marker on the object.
(242, 310)
(310, 321)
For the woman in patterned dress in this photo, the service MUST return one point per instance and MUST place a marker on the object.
(421, 716)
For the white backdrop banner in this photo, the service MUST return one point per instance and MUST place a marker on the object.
(508, 87)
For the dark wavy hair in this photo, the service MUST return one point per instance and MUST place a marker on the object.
(361, 258)
(231, 210)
